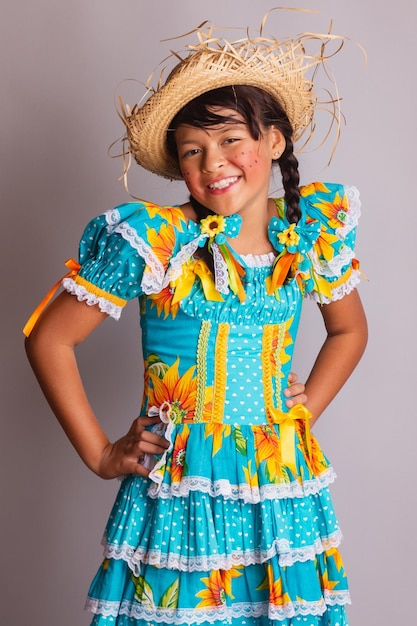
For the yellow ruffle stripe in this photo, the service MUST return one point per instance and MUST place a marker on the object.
(100, 293)
(220, 375)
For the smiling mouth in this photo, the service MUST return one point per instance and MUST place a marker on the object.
(225, 182)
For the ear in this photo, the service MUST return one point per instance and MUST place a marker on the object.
(277, 142)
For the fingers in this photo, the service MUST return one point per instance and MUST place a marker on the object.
(149, 443)
(142, 422)
(295, 392)
(139, 431)
(292, 378)
(136, 468)
(141, 441)
(124, 455)
(139, 470)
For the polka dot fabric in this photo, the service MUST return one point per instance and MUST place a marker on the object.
(232, 526)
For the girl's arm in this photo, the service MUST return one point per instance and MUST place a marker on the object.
(346, 340)
(50, 349)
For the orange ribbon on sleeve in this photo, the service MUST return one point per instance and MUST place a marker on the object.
(74, 268)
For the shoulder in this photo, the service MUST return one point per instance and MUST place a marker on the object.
(335, 206)
(142, 210)
(142, 215)
(336, 209)
(133, 224)
(125, 252)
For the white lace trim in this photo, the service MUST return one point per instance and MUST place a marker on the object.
(302, 607)
(336, 598)
(176, 263)
(287, 556)
(221, 274)
(112, 218)
(152, 280)
(105, 306)
(353, 214)
(216, 614)
(243, 492)
(259, 260)
(333, 267)
(157, 471)
(339, 292)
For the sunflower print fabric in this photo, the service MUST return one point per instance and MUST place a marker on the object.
(235, 524)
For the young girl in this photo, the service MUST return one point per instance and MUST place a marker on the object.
(223, 515)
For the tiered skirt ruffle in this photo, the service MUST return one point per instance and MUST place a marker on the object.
(226, 535)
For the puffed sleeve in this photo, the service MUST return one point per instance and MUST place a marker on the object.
(122, 257)
(335, 271)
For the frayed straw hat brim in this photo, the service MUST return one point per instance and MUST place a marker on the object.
(281, 68)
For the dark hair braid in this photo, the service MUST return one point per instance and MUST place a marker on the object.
(290, 179)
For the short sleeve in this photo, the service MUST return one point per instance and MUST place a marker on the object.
(123, 254)
(335, 270)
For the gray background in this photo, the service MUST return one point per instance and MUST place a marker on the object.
(61, 62)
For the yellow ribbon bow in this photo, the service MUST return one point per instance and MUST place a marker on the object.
(287, 433)
(183, 284)
(74, 268)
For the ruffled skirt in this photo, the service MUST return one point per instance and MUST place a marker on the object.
(224, 534)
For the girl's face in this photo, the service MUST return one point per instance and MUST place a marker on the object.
(225, 168)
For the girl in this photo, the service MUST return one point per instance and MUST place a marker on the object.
(223, 515)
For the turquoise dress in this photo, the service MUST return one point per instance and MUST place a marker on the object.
(235, 523)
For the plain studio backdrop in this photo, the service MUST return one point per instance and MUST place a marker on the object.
(61, 63)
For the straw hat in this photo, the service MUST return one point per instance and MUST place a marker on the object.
(280, 68)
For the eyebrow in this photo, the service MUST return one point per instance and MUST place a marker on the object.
(228, 126)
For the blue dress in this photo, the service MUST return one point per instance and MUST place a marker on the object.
(235, 523)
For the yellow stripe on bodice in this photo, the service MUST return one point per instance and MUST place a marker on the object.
(272, 344)
(220, 373)
(202, 350)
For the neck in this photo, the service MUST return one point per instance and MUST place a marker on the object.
(253, 236)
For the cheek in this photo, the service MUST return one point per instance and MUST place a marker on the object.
(248, 160)
(189, 179)
(186, 173)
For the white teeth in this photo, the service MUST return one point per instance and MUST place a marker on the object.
(224, 183)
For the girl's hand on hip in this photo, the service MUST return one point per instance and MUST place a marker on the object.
(125, 455)
(295, 392)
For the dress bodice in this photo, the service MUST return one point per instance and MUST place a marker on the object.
(215, 342)
(224, 351)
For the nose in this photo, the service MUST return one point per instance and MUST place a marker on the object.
(212, 160)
